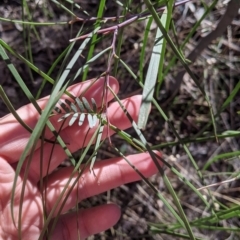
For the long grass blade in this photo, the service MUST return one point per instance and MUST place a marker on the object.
(94, 38)
(182, 59)
(67, 190)
(59, 87)
(166, 20)
(183, 219)
(150, 81)
(143, 49)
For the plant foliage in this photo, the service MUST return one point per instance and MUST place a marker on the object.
(78, 110)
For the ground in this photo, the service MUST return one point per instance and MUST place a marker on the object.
(214, 52)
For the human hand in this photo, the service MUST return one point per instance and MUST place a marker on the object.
(108, 174)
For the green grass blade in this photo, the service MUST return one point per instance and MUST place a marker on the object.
(150, 81)
(18, 78)
(64, 8)
(182, 219)
(166, 20)
(67, 188)
(143, 49)
(220, 156)
(181, 58)
(96, 146)
(32, 23)
(59, 87)
(94, 38)
(59, 58)
(120, 36)
(28, 63)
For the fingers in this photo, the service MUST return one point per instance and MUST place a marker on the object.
(109, 174)
(91, 221)
(14, 137)
(78, 137)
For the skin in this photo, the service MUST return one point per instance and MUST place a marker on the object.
(109, 174)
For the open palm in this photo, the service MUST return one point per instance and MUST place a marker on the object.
(108, 173)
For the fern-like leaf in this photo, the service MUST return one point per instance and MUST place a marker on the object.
(71, 111)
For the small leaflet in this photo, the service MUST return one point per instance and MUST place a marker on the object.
(94, 117)
(94, 105)
(73, 107)
(58, 110)
(90, 120)
(86, 104)
(81, 119)
(80, 104)
(64, 107)
(68, 102)
(73, 119)
(64, 117)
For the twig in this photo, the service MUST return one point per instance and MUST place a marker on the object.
(130, 20)
(105, 19)
(107, 73)
(218, 183)
(114, 29)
